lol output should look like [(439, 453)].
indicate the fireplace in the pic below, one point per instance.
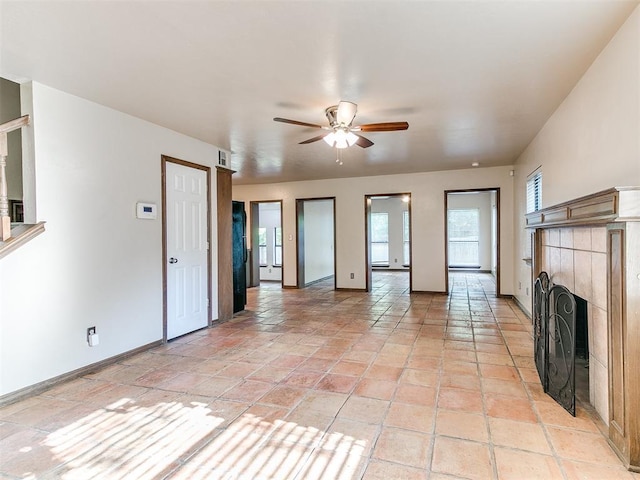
[(582, 349), (582, 328), (576, 258), (591, 246)]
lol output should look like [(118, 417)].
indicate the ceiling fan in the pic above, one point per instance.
[(342, 133)]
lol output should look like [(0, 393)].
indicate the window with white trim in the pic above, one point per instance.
[(277, 247), (534, 191), (405, 238), (464, 237), (262, 245), (380, 238)]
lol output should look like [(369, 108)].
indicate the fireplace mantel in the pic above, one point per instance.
[(618, 204), (615, 215)]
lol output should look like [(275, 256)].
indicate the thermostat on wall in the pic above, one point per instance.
[(146, 211)]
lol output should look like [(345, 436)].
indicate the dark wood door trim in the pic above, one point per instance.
[(225, 244), (367, 236), (299, 243), (446, 233), (254, 236), (367, 250), (300, 252), (254, 209)]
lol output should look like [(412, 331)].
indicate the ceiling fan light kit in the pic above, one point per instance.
[(340, 138), (341, 131)]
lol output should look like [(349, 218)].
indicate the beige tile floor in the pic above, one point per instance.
[(315, 383)]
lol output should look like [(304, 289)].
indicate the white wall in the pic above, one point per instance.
[(96, 264), (269, 215), (427, 210), (394, 207), (590, 143), (318, 240), (481, 201)]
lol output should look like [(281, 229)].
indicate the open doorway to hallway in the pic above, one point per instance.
[(316, 239), (266, 258), (472, 232), (388, 238)]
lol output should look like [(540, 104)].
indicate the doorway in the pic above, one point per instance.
[(266, 257), (316, 235), (472, 232), (186, 236), (388, 235)]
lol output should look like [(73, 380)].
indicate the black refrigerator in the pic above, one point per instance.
[(239, 237)]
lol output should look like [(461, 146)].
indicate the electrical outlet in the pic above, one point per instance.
[(519, 285), (352, 276), (92, 337), (527, 290), (395, 260)]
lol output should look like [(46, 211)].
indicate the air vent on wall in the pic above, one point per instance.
[(223, 159)]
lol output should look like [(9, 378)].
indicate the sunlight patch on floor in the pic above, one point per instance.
[(289, 450), (125, 440)]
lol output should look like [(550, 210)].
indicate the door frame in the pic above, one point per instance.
[(254, 225), (163, 165), (367, 236), (446, 233), (300, 239)]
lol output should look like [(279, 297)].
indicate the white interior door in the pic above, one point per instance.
[(186, 230)]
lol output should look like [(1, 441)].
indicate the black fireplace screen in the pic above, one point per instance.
[(540, 314), (554, 325)]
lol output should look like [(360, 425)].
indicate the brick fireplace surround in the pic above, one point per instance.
[(591, 245)]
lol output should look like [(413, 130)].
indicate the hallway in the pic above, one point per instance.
[(317, 383)]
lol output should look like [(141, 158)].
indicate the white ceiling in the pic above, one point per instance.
[(476, 80)]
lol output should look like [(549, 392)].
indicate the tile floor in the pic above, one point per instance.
[(315, 383)]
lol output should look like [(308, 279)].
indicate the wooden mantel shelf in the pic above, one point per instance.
[(20, 235), (619, 204)]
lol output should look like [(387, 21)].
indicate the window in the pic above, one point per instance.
[(405, 238), (277, 247), (534, 191), (464, 235), (11, 110), (262, 245), (380, 238)]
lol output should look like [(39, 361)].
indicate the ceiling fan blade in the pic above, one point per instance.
[(382, 127), (346, 112), (296, 122), (363, 142), (314, 139)]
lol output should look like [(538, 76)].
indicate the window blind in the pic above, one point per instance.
[(534, 192)]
